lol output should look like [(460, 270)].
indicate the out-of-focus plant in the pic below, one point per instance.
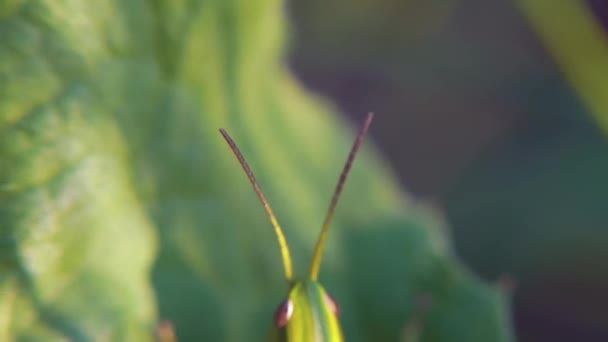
[(110, 156), (542, 191), (579, 45)]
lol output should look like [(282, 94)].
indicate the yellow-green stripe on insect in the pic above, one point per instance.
[(308, 314)]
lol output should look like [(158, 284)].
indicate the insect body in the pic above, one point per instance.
[(309, 313)]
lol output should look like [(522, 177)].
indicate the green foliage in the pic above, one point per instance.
[(109, 113), (581, 51)]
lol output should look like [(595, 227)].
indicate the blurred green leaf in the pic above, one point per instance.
[(76, 244), (109, 117), (580, 48)]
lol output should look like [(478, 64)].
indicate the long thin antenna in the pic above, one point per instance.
[(315, 265), (273, 219)]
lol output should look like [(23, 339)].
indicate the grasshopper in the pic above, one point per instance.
[(309, 313)]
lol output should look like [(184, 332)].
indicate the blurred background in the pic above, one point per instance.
[(494, 111)]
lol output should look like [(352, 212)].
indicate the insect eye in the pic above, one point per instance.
[(283, 313), (333, 305)]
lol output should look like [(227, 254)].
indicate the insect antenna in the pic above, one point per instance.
[(287, 265), (318, 253)]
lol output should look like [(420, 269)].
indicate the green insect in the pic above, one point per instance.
[(308, 313)]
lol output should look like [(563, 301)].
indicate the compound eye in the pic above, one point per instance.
[(283, 313), (333, 305)]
